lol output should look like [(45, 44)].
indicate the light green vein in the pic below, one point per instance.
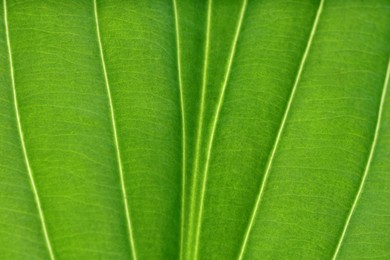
[(215, 122), (280, 131), (113, 123), (199, 128), (183, 132), (368, 165), (21, 136)]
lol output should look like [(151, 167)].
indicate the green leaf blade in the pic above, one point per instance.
[(186, 129)]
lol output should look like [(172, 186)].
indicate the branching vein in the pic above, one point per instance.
[(215, 122), (199, 128)]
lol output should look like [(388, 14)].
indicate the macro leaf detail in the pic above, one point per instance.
[(179, 129)]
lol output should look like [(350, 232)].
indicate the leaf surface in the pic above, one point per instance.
[(194, 129)]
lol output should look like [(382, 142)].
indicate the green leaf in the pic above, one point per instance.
[(180, 129)]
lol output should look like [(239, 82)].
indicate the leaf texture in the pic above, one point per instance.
[(179, 129)]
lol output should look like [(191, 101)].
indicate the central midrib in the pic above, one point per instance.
[(215, 122), (198, 189), (193, 194)]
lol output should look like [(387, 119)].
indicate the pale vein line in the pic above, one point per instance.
[(183, 144), (367, 168), (215, 122), (118, 154), (29, 170), (281, 128), (200, 125)]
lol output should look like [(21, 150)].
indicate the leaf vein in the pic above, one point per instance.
[(199, 128), (183, 137), (280, 131), (368, 165), (113, 123), (215, 122), (21, 136)]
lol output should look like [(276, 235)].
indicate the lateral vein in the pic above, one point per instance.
[(21, 136), (280, 131), (215, 122), (368, 165), (183, 137), (113, 123), (199, 128)]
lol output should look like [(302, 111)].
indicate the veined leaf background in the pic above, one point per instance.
[(182, 129)]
